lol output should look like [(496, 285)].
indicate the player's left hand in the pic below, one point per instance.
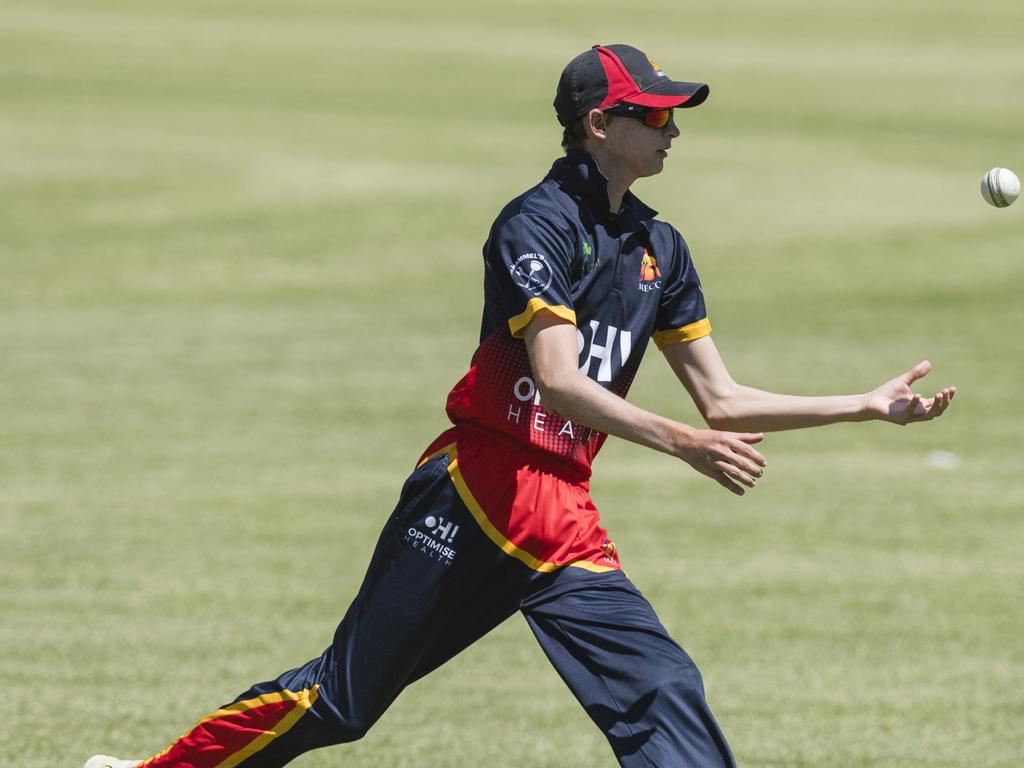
[(895, 401)]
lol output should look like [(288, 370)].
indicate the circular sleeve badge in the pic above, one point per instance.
[(531, 272)]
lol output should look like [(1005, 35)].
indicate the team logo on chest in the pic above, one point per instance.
[(650, 275)]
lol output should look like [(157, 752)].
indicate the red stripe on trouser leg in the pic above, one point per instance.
[(230, 735)]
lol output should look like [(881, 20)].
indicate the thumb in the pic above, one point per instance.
[(919, 371)]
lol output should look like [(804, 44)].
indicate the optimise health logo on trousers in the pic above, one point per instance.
[(436, 541)]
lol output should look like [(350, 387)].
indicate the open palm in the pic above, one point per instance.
[(896, 401)]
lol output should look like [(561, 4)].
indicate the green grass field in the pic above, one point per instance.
[(239, 271)]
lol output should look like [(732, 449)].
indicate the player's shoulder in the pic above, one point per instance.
[(541, 210), (543, 202), (662, 228)]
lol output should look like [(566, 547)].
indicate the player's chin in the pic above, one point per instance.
[(656, 165)]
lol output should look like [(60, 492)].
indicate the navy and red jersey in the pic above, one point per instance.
[(620, 277)]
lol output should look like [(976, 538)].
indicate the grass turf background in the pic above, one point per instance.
[(239, 271)]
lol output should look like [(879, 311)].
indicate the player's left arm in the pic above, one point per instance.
[(727, 405)]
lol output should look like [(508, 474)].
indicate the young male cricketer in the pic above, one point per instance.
[(497, 517)]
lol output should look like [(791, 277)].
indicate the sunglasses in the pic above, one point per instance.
[(652, 117)]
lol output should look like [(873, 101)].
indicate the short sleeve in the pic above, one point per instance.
[(527, 259), (682, 315)]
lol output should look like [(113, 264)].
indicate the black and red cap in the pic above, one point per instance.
[(614, 74)]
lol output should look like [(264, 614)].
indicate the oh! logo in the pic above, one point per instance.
[(444, 531)]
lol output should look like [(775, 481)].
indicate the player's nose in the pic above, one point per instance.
[(671, 129)]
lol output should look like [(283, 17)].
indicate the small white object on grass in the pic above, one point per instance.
[(942, 460), (1000, 187)]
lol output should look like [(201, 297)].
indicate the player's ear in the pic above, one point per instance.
[(595, 125)]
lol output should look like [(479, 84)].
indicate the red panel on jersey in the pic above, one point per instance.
[(499, 393)]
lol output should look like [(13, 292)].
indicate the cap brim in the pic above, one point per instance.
[(671, 93)]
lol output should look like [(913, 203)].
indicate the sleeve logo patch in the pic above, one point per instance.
[(532, 272)]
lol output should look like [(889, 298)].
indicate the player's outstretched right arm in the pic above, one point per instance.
[(729, 458)]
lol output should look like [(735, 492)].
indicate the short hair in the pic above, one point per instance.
[(574, 134)]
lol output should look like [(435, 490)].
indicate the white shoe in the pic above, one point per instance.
[(103, 761)]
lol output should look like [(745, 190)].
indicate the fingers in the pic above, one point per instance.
[(734, 464), (908, 413), (727, 484), (933, 407), (747, 465), (742, 448), (737, 474), (919, 408), (940, 403)]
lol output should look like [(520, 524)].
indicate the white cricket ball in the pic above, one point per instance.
[(1000, 187)]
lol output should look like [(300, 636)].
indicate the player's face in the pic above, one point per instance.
[(638, 149)]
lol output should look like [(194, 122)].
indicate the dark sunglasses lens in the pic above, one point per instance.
[(657, 118)]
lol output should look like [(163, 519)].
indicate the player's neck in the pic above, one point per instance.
[(619, 181)]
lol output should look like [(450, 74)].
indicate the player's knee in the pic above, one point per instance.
[(355, 724), (683, 682), (692, 679), (357, 728)]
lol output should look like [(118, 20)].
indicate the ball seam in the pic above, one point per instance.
[(993, 189)]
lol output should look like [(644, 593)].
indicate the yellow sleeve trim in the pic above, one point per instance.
[(686, 333), (517, 324)]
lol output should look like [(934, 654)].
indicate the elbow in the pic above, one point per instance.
[(718, 415), (721, 406), (716, 420), (554, 398), (556, 391), (726, 425)]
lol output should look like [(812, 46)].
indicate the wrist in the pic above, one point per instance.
[(680, 438), (864, 410)]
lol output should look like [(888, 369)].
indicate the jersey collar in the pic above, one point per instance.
[(579, 175)]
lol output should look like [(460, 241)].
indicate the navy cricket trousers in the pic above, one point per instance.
[(436, 584)]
